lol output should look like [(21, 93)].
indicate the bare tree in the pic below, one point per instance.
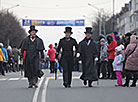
[(11, 31), (106, 25)]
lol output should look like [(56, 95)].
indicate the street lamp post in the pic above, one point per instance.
[(12, 7), (99, 12)]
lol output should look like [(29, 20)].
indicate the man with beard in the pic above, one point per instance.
[(88, 55), (31, 48), (67, 43)]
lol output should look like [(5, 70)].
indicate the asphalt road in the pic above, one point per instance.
[(13, 88)]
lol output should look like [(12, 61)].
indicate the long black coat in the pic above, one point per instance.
[(67, 50), (88, 53), (32, 58)]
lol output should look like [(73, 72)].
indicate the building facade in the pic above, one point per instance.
[(127, 19)]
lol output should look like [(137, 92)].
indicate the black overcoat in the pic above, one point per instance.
[(34, 49), (67, 50), (87, 54)]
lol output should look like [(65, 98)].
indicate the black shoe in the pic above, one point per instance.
[(65, 85), (85, 82), (90, 86), (68, 86), (30, 86), (125, 85), (133, 85)]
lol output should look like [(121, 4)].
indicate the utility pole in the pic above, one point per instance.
[(100, 23), (100, 16), (113, 15)]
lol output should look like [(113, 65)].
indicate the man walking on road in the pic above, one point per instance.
[(88, 55), (31, 48), (67, 44)]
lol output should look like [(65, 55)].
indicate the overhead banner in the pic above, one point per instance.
[(29, 22)]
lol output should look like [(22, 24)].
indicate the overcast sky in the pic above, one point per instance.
[(59, 9)]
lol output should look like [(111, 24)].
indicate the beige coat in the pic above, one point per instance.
[(132, 60)]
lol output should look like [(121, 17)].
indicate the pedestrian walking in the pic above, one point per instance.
[(4, 51), (52, 54), (131, 66), (32, 48), (66, 44), (88, 56), (10, 59), (118, 64), (2, 58), (15, 52)]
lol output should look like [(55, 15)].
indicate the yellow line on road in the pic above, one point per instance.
[(3, 79)]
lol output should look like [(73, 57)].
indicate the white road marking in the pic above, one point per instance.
[(35, 97), (23, 78), (44, 92), (13, 78)]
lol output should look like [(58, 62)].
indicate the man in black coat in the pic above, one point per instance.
[(89, 56), (31, 48), (66, 61)]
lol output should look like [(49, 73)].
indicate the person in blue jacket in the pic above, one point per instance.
[(4, 51)]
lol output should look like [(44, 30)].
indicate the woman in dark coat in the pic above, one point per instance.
[(131, 65), (88, 55), (31, 47)]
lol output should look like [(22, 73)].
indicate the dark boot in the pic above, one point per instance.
[(90, 83), (85, 82), (65, 85), (134, 81), (30, 86), (127, 80), (133, 85)]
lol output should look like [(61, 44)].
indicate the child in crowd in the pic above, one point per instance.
[(118, 64), (103, 58)]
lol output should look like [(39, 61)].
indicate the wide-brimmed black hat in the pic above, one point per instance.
[(68, 30), (32, 28), (88, 30)]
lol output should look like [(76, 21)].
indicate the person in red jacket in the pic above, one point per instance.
[(111, 54), (51, 54)]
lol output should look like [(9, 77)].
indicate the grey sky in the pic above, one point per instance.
[(59, 9)]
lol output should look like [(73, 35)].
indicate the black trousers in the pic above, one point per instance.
[(103, 68), (98, 65), (67, 65), (52, 66), (129, 75), (111, 73), (32, 80)]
